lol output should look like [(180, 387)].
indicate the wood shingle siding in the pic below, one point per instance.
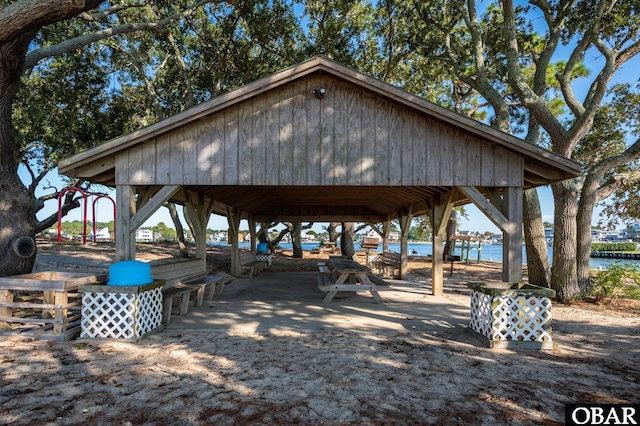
[(348, 138)]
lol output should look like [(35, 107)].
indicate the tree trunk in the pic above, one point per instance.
[(296, 239), (331, 230), (386, 229), (17, 209), (347, 247), (184, 250), (263, 234), (538, 269), (588, 197), (451, 231), (564, 278)]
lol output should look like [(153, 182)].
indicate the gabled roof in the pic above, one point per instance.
[(387, 177), (541, 166)]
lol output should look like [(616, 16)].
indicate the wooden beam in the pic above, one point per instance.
[(198, 210), (405, 225), (317, 218), (439, 219), (96, 168), (199, 204), (495, 198), (193, 211), (145, 194), (154, 203), (485, 206), (233, 218), (252, 233)]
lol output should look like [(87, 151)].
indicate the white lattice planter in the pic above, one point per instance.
[(121, 312), (512, 315), (264, 257)]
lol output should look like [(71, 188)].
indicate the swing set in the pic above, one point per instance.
[(97, 196)]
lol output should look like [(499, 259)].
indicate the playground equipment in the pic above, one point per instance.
[(97, 198), (85, 194)]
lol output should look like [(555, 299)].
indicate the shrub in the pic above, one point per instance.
[(618, 280), (613, 246)]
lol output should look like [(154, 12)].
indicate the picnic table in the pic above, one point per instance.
[(349, 275)]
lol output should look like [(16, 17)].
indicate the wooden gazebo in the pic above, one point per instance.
[(320, 142)]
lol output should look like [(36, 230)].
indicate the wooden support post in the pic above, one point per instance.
[(233, 218), (125, 234), (61, 298), (5, 312), (199, 213), (437, 273), (512, 236), (405, 225), (48, 299), (252, 233), (439, 220)]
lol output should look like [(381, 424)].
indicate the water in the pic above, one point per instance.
[(488, 253)]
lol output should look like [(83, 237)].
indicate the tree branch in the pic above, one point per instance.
[(78, 42), (564, 78), (23, 17), (101, 15), (555, 26), (628, 53), (35, 180), (531, 100), (68, 203), (612, 184)]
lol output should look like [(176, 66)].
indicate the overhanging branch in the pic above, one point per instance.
[(78, 42)]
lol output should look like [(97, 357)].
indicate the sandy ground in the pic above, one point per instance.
[(436, 372)]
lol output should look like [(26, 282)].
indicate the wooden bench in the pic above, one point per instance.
[(331, 281), (379, 282), (323, 280), (249, 266), (387, 263), (180, 292), (324, 269), (326, 285), (211, 285)]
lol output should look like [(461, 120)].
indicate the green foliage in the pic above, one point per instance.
[(619, 280), (61, 109), (76, 227), (166, 234), (620, 116), (613, 246)]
